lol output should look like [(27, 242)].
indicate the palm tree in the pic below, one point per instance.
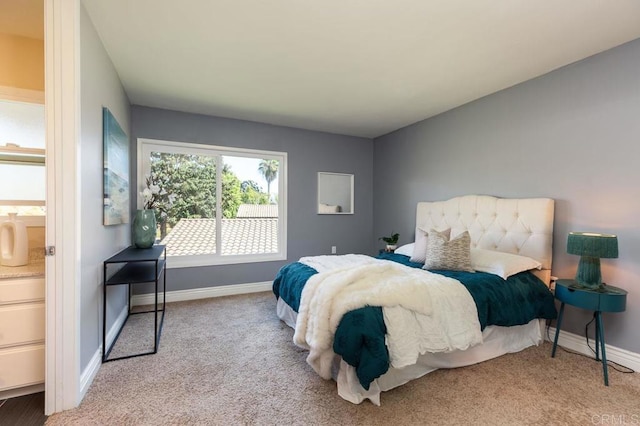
[(269, 169)]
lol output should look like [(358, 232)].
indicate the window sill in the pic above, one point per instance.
[(204, 260)]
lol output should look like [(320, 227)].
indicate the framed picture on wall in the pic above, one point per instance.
[(116, 171)]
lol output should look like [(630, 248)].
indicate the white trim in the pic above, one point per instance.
[(218, 215), (21, 95), (89, 373), (113, 330), (25, 390), (146, 146), (178, 147), (578, 344), (282, 204), (62, 106), (208, 260), (203, 293)]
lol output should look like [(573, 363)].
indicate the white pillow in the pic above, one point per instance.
[(406, 249), (501, 264), (328, 208)]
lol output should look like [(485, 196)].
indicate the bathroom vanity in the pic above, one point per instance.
[(22, 326)]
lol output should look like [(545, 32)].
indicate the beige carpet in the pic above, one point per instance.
[(229, 361)]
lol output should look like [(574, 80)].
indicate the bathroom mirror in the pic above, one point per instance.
[(335, 193)]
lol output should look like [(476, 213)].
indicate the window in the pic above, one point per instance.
[(219, 205)]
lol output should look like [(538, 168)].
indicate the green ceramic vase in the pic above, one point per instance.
[(144, 228)]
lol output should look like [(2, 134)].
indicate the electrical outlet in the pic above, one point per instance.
[(334, 249)]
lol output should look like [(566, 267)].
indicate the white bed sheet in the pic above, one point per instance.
[(497, 341)]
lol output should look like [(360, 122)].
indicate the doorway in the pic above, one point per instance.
[(22, 247), (22, 198)]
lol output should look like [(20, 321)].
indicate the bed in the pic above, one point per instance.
[(473, 286)]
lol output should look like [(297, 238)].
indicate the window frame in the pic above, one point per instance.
[(145, 146)]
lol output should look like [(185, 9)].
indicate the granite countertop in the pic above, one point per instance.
[(34, 268)]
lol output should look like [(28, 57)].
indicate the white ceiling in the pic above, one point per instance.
[(356, 67)]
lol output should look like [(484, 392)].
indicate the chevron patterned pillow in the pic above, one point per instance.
[(445, 254)]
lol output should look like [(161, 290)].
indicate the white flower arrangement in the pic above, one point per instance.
[(156, 197)]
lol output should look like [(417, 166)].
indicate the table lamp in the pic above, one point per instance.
[(591, 247)]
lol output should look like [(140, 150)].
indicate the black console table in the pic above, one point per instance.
[(137, 266)]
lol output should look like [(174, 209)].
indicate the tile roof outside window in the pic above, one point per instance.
[(258, 210), (239, 236)]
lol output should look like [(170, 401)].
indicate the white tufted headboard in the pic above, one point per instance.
[(521, 226)]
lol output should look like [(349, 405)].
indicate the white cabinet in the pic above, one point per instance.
[(22, 330)]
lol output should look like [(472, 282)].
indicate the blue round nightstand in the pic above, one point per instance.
[(608, 299)]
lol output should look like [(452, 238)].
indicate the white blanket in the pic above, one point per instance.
[(331, 263), (423, 312)]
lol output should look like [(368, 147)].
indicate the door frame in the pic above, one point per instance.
[(62, 111)]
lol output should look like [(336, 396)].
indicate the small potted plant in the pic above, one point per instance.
[(392, 241)]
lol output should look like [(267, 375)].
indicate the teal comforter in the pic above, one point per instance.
[(360, 337)]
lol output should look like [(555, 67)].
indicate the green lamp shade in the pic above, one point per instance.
[(591, 248), (593, 245)]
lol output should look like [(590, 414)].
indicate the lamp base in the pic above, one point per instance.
[(588, 274)]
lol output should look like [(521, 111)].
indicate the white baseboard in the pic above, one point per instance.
[(202, 293), (113, 330), (89, 373), (26, 390), (578, 344)]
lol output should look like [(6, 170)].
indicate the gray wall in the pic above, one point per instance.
[(572, 135), (308, 153), (100, 86)]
